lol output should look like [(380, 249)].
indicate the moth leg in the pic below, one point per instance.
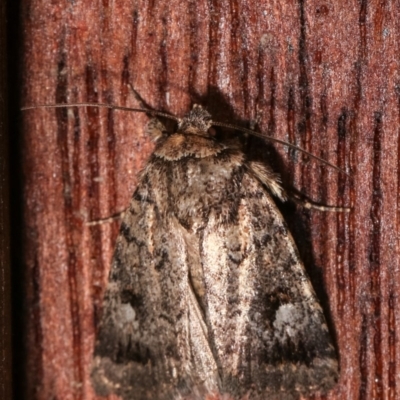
[(107, 220), (155, 129), (308, 205), (254, 123), (139, 98), (273, 182), (269, 178)]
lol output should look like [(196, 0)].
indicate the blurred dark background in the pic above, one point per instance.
[(11, 200)]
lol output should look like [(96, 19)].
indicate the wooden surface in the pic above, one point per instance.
[(323, 76), (5, 267)]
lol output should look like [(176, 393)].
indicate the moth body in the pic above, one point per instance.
[(207, 292)]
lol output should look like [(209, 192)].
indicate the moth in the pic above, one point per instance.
[(207, 292)]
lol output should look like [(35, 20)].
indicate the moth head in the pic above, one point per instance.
[(197, 122)]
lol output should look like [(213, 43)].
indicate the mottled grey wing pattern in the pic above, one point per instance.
[(207, 291), (151, 342), (268, 330)]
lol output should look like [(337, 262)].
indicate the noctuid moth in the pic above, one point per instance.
[(207, 292)]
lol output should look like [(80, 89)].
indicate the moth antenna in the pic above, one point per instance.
[(100, 105), (172, 117), (271, 139)]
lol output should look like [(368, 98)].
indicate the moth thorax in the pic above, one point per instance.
[(196, 122)]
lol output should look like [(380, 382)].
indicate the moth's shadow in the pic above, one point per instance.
[(297, 218)]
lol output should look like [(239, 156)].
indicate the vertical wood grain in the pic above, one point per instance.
[(5, 265), (324, 76)]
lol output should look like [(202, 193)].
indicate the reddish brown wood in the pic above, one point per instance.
[(5, 264), (322, 75)]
